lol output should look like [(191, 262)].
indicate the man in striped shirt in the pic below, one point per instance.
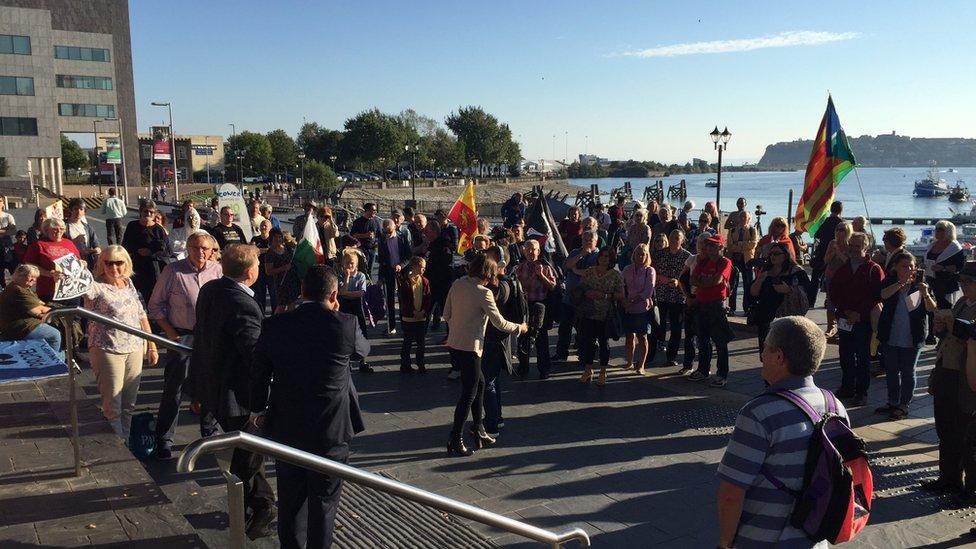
[(772, 435)]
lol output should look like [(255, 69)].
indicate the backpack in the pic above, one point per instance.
[(834, 503)]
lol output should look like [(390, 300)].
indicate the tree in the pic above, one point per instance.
[(481, 137), (258, 155), (371, 135), (444, 152), (284, 151), (319, 176), (320, 143), (72, 156)]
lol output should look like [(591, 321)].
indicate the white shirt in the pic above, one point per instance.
[(81, 234)]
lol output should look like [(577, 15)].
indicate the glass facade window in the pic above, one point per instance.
[(19, 45), (10, 125), (76, 53), (16, 85), (84, 109), (84, 82)]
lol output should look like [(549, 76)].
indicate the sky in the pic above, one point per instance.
[(645, 80)]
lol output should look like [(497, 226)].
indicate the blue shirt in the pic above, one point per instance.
[(573, 279), (774, 433), (901, 327)]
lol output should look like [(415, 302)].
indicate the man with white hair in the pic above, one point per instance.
[(394, 254), (770, 438), (684, 219)]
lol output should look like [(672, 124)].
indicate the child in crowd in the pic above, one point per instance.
[(414, 309), (20, 249)]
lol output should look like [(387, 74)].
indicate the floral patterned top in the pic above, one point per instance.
[(670, 265), (122, 304), (609, 282)]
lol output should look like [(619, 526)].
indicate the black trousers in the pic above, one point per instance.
[(390, 288), (567, 320), (593, 333), (249, 467), (538, 337), (414, 334), (671, 314), (854, 348), (691, 333), (740, 272), (174, 385), (956, 439), (113, 226), (472, 390), (816, 275), (298, 486)]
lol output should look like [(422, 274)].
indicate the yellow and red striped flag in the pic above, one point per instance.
[(830, 161), (464, 214)]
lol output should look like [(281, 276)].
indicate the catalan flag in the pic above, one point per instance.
[(464, 214), (830, 161)]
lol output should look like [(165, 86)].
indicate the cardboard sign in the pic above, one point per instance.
[(77, 278)]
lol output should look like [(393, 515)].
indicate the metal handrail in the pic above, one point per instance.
[(67, 316), (263, 446)]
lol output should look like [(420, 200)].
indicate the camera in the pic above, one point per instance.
[(760, 210)]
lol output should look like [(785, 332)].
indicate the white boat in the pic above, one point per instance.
[(922, 243), (931, 186), (711, 182)]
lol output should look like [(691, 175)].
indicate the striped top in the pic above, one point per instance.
[(772, 432)]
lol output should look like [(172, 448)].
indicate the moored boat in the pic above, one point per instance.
[(959, 193), (711, 182), (931, 186)]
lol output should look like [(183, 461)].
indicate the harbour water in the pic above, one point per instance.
[(887, 191)]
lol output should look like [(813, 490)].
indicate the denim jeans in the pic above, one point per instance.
[(50, 334), (854, 347), (492, 364), (899, 365)]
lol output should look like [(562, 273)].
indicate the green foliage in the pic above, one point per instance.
[(480, 136), (284, 151), (319, 176), (882, 151), (443, 151), (320, 143), (258, 155), (577, 170), (371, 135), (72, 155)]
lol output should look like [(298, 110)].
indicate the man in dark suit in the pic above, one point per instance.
[(227, 328), (312, 404), (394, 254)]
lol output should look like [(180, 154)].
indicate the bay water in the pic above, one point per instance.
[(887, 192)]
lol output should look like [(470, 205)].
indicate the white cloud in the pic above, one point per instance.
[(781, 40)]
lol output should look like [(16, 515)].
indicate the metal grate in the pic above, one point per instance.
[(368, 519), (710, 420)]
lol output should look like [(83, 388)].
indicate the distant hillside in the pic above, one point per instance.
[(883, 151)]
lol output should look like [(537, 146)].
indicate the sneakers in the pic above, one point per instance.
[(685, 370), (698, 376), (453, 374), (673, 364), (718, 382)]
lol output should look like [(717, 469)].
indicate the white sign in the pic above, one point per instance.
[(28, 360), (77, 278), (230, 195)]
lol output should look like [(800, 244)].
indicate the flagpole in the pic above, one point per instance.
[(867, 214)]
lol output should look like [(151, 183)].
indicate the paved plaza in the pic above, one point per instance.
[(633, 463)]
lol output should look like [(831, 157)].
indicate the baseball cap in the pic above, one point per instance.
[(716, 239)]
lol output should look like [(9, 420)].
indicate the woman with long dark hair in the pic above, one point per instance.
[(781, 278), (469, 307)]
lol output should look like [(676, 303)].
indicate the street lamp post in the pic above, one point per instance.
[(172, 140), (301, 156), (413, 170), (721, 141), (333, 159), (240, 174)]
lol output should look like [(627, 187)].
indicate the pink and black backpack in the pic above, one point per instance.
[(834, 503)]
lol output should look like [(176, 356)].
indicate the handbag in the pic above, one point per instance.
[(614, 325), (794, 303)]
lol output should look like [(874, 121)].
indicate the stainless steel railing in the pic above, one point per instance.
[(67, 316), (265, 447), (224, 444)]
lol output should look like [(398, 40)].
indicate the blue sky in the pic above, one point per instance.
[(566, 67)]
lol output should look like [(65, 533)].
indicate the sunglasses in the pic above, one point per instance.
[(115, 263)]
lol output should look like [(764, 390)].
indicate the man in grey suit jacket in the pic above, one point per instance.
[(227, 328)]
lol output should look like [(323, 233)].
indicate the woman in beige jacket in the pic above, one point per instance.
[(469, 307)]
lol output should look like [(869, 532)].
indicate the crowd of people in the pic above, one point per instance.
[(650, 276)]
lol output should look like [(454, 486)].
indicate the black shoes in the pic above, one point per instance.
[(481, 438), (365, 368), (938, 486), (163, 453), (259, 524), (406, 369), (456, 447)]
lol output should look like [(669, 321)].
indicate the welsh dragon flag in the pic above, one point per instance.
[(309, 250), (464, 215)]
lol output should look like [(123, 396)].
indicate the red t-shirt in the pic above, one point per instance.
[(719, 292), (42, 254)]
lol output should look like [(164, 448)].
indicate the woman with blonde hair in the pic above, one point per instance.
[(835, 257), (639, 280), (116, 357), (352, 288), (943, 261)]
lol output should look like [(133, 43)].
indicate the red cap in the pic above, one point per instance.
[(716, 239)]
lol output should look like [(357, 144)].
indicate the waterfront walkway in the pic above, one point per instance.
[(633, 463)]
